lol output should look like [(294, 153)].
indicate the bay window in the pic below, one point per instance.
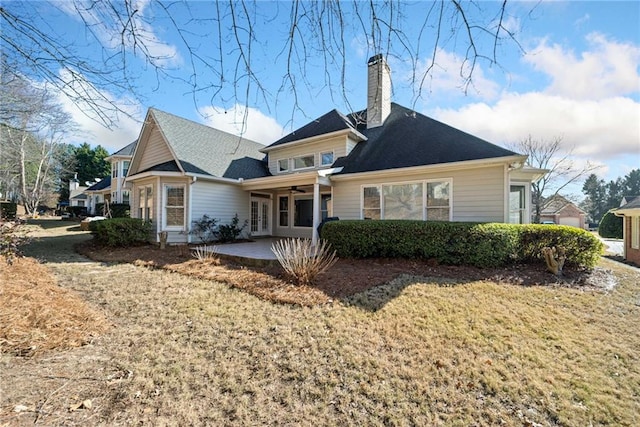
[(426, 200)]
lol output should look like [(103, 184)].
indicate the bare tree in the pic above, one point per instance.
[(223, 41), (553, 156), (32, 127)]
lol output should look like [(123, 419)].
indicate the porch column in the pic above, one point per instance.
[(316, 212)]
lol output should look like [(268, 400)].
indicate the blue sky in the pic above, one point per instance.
[(575, 75)]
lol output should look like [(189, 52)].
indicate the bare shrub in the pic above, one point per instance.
[(205, 253), (303, 261)]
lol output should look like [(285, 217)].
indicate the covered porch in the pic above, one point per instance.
[(291, 205)]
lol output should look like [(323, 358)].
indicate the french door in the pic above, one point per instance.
[(260, 217)]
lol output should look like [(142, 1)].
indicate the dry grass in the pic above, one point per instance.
[(37, 315), (417, 351)]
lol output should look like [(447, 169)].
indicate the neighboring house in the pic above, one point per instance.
[(385, 162), (76, 193), (630, 212), (563, 212), (112, 188)]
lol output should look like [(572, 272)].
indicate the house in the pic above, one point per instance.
[(112, 188), (561, 211), (385, 161), (630, 212), (76, 193)]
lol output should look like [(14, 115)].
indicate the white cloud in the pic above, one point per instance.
[(126, 124), (447, 76), (608, 69), (597, 129), (250, 123), (105, 23)]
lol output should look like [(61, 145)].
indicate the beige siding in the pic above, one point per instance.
[(338, 145), (478, 194), (156, 151), (290, 231), (220, 201)]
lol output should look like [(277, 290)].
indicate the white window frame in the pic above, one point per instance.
[(165, 196), (114, 170), (635, 232), (125, 171), (322, 163), (312, 155), (292, 218), (424, 195), (280, 170), (282, 196)]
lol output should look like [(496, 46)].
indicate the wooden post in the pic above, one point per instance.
[(163, 239)]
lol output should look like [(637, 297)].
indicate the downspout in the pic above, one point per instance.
[(190, 207), (506, 194)]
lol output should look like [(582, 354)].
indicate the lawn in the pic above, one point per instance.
[(416, 351)]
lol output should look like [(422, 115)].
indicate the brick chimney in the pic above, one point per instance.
[(378, 91)]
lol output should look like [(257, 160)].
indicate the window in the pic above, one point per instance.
[(517, 204), (304, 162), (429, 201), (283, 211), (326, 159), (371, 203), (303, 212), (125, 167), (283, 165), (145, 203), (114, 169), (174, 205), (635, 232), (438, 201), (326, 208), (402, 201), (125, 197)]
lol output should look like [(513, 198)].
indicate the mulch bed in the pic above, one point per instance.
[(347, 277)]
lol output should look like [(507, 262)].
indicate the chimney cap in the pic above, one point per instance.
[(374, 59)]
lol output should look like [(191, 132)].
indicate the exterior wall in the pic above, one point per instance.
[(569, 214), (156, 151), (631, 254), (338, 145), (289, 231), (478, 194), (220, 201)]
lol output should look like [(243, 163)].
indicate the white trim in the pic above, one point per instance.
[(316, 138), (165, 188), (293, 162), (635, 232), (447, 167), (278, 197), (288, 160), (332, 158)]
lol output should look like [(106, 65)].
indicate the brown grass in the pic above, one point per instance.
[(417, 351), (37, 315)]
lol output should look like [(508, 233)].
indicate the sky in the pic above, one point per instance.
[(573, 74)]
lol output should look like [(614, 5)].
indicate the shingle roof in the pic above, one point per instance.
[(408, 139), (204, 150), (331, 122), (100, 185), (633, 204), (555, 204), (127, 150)]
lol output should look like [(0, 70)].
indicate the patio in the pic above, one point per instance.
[(257, 252)]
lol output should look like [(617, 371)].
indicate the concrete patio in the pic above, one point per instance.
[(257, 252)]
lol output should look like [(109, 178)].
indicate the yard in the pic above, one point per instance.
[(183, 350)]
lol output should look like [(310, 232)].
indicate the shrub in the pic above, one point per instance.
[(205, 229), (120, 210), (8, 210), (611, 226), (122, 232), (12, 236), (303, 261), (581, 247), (77, 211), (230, 232), (459, 243)]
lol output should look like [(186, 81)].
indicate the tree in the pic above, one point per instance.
[(550, 155), (223, 40), (32, 127), (88, 163), (603, 196)]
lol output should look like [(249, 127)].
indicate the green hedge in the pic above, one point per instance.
[(8, 210), (121, 231), (611, 226), (459, 243), (120, 210)]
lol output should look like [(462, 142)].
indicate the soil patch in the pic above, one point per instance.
[(347, 277)]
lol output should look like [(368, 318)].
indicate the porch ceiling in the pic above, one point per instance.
[(281, 182)]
